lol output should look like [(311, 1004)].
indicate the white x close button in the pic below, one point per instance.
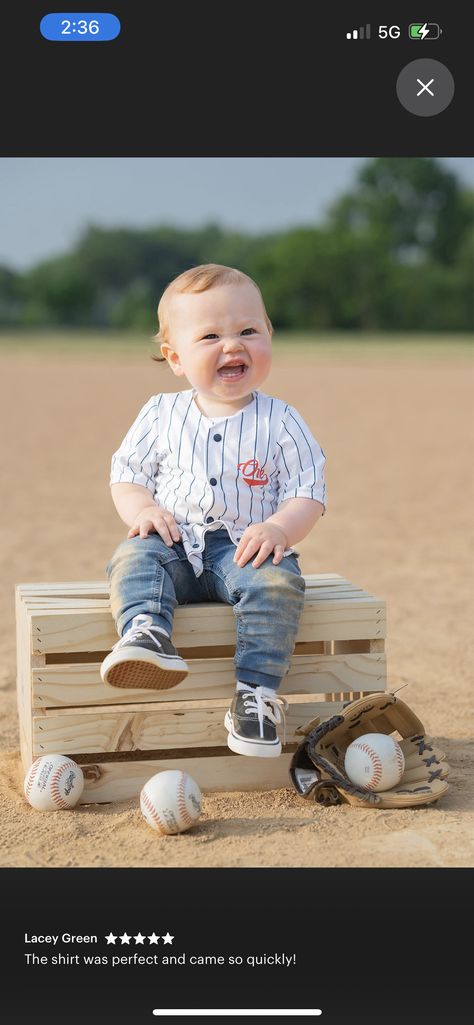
[(425, 87)]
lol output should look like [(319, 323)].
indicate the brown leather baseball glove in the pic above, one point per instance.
[(317, 767)]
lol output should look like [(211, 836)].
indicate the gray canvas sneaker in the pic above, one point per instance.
[(143, 657), (252, 719)]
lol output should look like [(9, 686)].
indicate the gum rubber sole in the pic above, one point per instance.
[(144, 675)]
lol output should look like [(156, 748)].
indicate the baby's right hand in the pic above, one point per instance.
[(154, 519)]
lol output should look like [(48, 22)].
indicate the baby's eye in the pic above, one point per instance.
[(248, 331), (210, 335)]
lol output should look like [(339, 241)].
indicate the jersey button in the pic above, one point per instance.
[(213, 480), (210, 519), (218, 437)]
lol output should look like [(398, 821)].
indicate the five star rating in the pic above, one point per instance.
[(125, 938)]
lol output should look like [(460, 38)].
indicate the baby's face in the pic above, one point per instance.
[(220, 341)]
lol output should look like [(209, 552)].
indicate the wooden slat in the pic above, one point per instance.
[(318, 591), (70, 588), (120, 781), (330, 582), (100, 589), (185, 725), (319, 594), (206, 624), (96, 587), (85, 604), (80, 684), (23, 688)]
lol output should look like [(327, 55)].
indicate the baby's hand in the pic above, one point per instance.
[(155, 520), (263, 538)]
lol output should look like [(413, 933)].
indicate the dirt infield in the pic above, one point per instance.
[(398, 433)]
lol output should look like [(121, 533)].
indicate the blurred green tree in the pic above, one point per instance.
[(11, 300), (413, 205), (394, 253), (58, 292)]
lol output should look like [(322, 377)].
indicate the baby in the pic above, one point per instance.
[(216, 483)]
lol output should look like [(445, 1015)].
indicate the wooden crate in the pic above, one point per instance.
[(122, 737)]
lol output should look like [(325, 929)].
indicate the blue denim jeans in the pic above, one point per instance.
[(147, 576)]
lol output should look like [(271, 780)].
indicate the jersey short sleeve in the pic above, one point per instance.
[(135, 461), (301, 460)]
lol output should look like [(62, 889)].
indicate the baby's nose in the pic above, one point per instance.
[(232, 342)]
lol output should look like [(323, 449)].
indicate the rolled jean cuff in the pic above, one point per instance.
[(258, 679), (125, 624)]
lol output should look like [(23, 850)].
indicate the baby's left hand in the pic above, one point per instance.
[(262, 538)]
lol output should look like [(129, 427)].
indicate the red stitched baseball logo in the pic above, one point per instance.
[(252, 473)]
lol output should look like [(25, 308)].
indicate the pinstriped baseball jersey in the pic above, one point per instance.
[(220, 472)]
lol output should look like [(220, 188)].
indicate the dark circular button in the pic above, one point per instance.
[(196, 546), (425, 87), (210, 519), (213, 480), (218, 437)]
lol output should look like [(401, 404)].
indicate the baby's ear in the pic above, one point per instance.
[(172, 358)]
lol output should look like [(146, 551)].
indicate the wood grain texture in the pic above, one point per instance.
[(192, 724), (55, 686), (120, 781), (71, 629)]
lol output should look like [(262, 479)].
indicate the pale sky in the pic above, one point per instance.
[(46, 202)]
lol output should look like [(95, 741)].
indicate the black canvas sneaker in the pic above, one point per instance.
[(143, 657), (252, 720)]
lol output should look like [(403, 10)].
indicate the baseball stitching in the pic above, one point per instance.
[(400, 760), (183, 811), (376, 763), (57, 797), (31, 777), (150, 807)]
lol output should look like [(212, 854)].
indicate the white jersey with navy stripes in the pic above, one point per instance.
[(220, 472)]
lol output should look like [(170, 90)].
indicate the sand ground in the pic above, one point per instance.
[(398, 433)]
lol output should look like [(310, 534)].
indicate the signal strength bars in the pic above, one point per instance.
[(359, 33)]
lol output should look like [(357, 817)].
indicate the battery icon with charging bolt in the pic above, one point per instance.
[(424, 30)]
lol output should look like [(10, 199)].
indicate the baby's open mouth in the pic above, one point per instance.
[(232, 372)]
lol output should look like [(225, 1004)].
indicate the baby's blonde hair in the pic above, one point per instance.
[(200, 279)]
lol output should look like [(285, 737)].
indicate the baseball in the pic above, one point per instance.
[(170, 801), (53, 782), (375, 761)]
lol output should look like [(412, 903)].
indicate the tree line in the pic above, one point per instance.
[(393, 254)]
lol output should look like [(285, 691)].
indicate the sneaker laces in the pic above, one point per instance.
[(257, 699), (142, 625)]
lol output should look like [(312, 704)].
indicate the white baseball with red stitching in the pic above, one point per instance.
[(53, 782), (375, 761), (171, 801)]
